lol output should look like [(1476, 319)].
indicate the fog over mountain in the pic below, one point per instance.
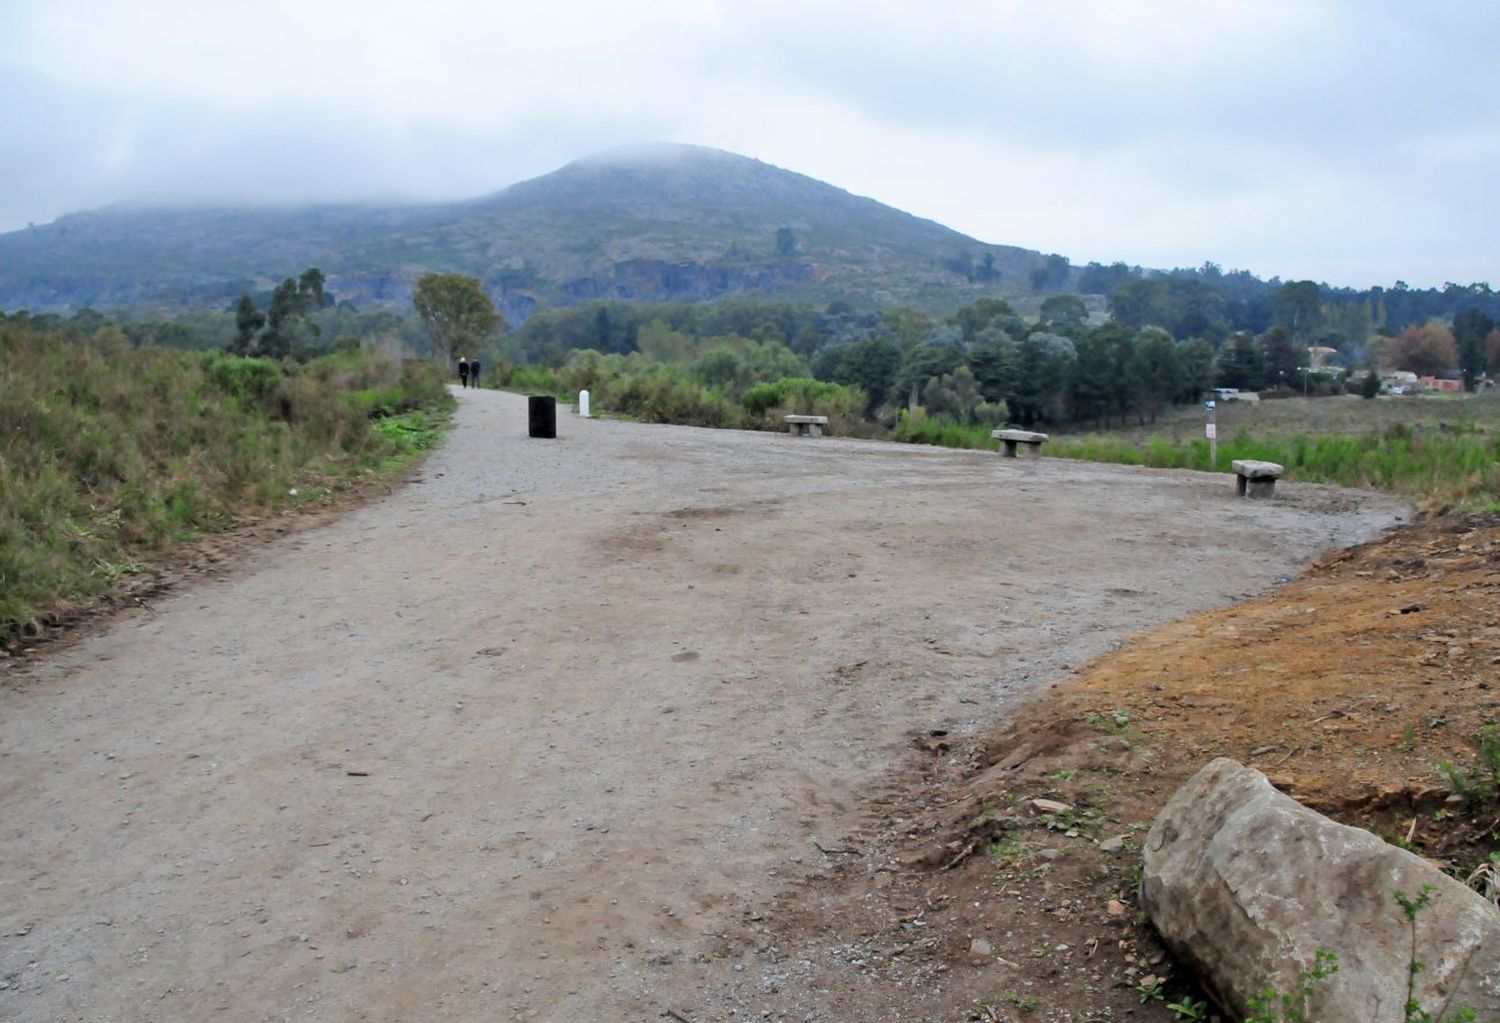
[(1353, 143), (651, 222)]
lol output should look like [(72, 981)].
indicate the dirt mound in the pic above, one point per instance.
[(1001, 885)]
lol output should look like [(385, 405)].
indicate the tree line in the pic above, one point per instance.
[(1209, 302), (985, 362)]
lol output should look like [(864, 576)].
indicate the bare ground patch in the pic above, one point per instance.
[(998, 883), (523, 741)]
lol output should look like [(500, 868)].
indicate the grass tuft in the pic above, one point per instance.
[(110, 454), (1443, 465)]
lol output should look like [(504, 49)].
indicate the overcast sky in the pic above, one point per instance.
[(1354, 142)]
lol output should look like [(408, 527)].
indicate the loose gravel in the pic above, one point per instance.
[(521, 740)]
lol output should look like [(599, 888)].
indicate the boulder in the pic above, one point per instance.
[(1245, 885)]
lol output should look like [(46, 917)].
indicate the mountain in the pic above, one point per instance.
[(659, 223)]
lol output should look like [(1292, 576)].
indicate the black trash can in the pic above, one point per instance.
[(542, 413)]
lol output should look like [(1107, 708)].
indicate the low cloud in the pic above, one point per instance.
[(1348, 142)]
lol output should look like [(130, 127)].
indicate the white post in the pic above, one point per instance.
[(1212, 430), (583, 404)]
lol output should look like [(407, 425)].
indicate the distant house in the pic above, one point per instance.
[(1447, 381), (1400, 382)]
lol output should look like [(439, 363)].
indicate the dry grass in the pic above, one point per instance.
[(112, 455), (1344, 416)]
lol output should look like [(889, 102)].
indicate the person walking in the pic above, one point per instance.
[(474, 372), (463, 371)]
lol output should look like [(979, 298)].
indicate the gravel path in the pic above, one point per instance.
[(520, 740)]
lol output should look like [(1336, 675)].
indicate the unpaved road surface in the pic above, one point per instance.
[(525, 739)]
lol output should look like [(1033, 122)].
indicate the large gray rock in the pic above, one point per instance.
[(1246, 884)]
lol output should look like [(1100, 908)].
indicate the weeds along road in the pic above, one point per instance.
[(524, 738)]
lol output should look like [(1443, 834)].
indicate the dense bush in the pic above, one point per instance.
[(663, 394), (637, 385), (111, 452), (915, 426), (767, 403)]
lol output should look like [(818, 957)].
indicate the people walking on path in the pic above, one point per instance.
[(463, 371), (474, 372)]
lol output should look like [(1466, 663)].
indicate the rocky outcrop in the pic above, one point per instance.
[(1247, 885)]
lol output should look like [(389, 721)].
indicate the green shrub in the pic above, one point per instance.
[(666, 395), (767, 403), (113, 453), (916, 427), (1481, 788), (254, 381), (806, 391), (535, 380), (662, 392)]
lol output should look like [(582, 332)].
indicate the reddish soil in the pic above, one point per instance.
[(963, 900)]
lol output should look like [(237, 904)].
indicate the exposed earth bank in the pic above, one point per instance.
[(1000, 882), (542, 735)]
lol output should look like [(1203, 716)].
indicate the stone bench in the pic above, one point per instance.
[(1255, 479), (806, 426), (1010, 438)]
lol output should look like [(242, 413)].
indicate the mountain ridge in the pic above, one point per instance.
[(656, 222)]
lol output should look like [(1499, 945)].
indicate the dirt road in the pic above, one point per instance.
[(525, 738)]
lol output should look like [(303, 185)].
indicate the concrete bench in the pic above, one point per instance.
[(1255, 479), (1010, 438), (806, 426)]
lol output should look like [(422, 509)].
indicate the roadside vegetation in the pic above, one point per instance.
[(1442, 452), (123, 438), (755, 397), (1108, 392), (127, 434), (1440, 468), (112, 454)]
